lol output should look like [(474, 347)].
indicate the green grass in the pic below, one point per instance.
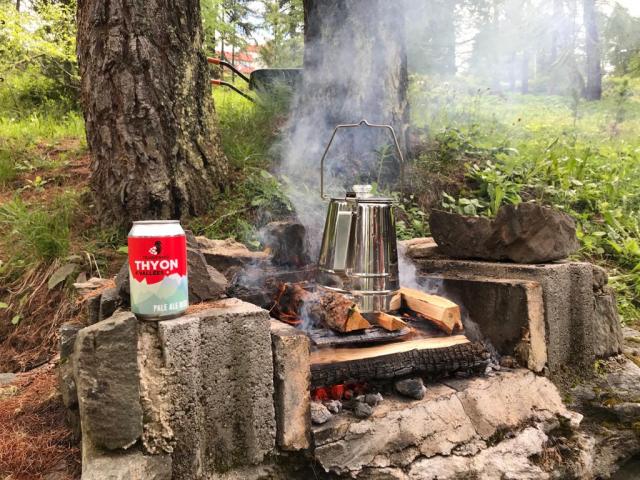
[(580, 157), (26, 143), (36, 232)]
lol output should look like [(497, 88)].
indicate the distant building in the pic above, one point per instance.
[(246, 60)]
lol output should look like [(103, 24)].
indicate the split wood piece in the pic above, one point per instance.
[(341, 313), (429, 356), (388, 322), (442, 312)]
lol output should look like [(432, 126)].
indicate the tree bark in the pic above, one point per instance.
[(593, 90), (148, 109), (355, 63)]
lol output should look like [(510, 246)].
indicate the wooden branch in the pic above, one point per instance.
[(432, 356), (442, 312), (388, 322)]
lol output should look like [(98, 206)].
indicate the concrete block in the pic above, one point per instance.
[(220, 383), (567, 292), (107, 379), (510, 313), (237, 377), (292, 382)]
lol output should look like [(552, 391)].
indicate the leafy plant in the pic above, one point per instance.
[(36, 232)]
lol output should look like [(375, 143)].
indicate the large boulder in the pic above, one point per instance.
[(287, 242), (524, 233), (227, 256)]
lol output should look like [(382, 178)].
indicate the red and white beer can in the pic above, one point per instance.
[(158, 269)]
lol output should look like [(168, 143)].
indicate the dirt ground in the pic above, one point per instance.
[(35, 441)]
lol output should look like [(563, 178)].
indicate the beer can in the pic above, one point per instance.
[(158, 269)]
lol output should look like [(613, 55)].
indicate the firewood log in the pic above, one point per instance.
[(443, 313), (387, 321)]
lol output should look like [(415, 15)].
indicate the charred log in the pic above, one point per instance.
[(436, 362)]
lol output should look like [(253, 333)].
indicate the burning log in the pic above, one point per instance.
[(442, 312), (431, 356), (332, 309), (389, 322)]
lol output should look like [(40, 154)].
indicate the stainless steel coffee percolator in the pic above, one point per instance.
[(359, 255)]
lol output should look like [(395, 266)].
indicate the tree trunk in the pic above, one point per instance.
[(593, 90), (17, 5), (355, 63), (148, 109)]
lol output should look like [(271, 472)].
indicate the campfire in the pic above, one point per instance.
[(422, 334)]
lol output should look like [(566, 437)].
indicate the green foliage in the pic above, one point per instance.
[(283, 20), (37, 58), (255, 197), (36, 232), (549, 153)]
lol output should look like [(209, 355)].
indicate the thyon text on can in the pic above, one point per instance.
[(158, 269)]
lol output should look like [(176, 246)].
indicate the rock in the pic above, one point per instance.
[(319, 413), (334, 406), (109, 302), (224, 255), (68, 333), (411, 387), (373, 399), (93, 308), (131, 465), (66, 378), (628, 412), (461, 418), (533, 233), (600, 278), (292, 378), (509, 459), (205, 282), (421, 247), (286, 240), (607, 331), (362, 410), (157, 408), (105, 366), (524, 233), (122, 283)]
